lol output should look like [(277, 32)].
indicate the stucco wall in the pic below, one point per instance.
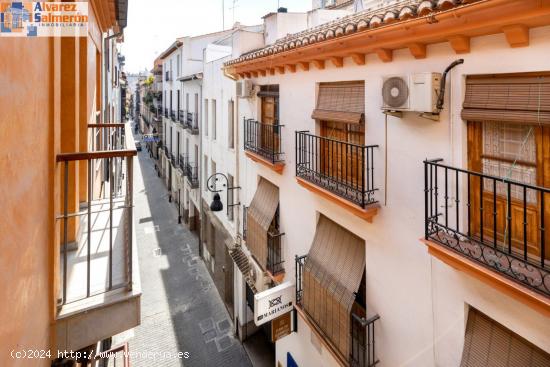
[(421, 301), (26, 196)]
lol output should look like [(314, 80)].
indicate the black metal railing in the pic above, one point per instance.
[(167, 78), (181, 117), (263, 140), (344, 169), (495, 221), (174, 160), (173, 115), (192, 122), (165, 112), (192, 174), (362, 351), (245, 221), (275, 259), (181, 162)]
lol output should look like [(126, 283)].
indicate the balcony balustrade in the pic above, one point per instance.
[(181, 117), (165, 112), (263, 140), (173, 115), (362, 348), (192, 174), (97, 276), (192, 123), (181, 162), (344, 169), (496, 222)]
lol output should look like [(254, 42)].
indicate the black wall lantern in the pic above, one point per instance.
[(217, 205)]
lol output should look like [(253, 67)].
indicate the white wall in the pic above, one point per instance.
[(278, 25), (420, 300)]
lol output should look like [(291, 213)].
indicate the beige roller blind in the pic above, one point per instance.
[(522, 99), (260, 214), (489, 344), (340, 102), (332, 274)]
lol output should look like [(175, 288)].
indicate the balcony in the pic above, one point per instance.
[(174, 161), (167, 76), (192, 174), (165, 112), (340, 172), (492, 228), (362, 341), (173, 115), (192, 123), (181, 162), (181, 117), (262, 143), (98, 270)]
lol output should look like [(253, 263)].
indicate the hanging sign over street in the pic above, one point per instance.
[(273, 302)]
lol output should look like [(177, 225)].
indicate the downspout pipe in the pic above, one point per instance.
[(441, 97)]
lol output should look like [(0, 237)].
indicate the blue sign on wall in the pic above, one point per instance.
[(290, 362)]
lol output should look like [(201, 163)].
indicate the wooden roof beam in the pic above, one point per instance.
[(358, 59), (384, 54), (254, 74), (319, 64), (460, 44), (291, 68), (246, 75), (271, 71), (280, 69), (517, 35), (418, 50), (263, 72), (304, 65), (337, 61)]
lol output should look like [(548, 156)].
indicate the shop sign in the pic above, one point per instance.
[(281, 327), (273, 303)]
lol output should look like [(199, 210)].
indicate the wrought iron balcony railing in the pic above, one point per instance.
[(192, 122), (181, 117), (167, 77), (342, 168), (165, 112), (263, 140), (173, 115), (362, 351), (494, 221), (90, 270), (192, 174), (181, 162), (174, 160), (275, 259)]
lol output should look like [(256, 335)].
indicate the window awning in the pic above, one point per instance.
[(260, 214), (332, 275), (487, 343), (521, 99), (340, 102)]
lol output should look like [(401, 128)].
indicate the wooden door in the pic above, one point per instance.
[(520, 153), (344, 162), (269, 135)]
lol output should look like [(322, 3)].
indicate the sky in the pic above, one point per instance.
[(153, 25)]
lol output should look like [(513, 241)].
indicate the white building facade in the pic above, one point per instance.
[(405, 262)]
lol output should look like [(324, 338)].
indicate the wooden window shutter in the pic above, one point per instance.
[(514, 99), (340, 102), (489, 344)]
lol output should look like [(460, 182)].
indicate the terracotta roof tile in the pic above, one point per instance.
[(361, 21)]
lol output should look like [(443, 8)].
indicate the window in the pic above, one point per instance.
[(213, 171), (171, 102), (231, 125), (178, 95), (230, 198), (178, 70), (206, 117), (214, 127), (509, 151), (187, 102)]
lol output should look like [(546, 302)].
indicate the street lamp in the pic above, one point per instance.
[(217, 205)]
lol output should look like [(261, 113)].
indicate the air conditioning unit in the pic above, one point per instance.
[(244, 88), (416, 92), (260, 278)]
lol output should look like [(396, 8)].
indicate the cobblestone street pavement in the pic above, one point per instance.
[(181, 310)]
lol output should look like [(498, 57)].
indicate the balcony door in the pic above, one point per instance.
[(269, 140), (344, 161), (518, 152)]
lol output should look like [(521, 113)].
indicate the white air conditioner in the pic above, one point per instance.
[(416, 92), (260, 278), (244, 88)]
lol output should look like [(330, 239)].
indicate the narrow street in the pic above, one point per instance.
[(181, 310)]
